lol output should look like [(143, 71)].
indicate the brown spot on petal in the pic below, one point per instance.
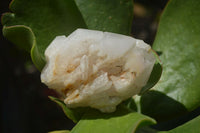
[(55, 65), (134, 74), (54, 72), (71, 68), (67, 88)]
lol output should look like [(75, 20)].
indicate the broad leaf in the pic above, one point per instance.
[(190, 127), (90, 120), (121, 121), (35, 23), (178, 41), (107, 15), (74, 114)]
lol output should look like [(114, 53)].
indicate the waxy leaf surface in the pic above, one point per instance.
[(191, 126), (107, 15), (178, 41), (35, 23), (121, 121)]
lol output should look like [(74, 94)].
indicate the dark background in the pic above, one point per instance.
[(24, 103)]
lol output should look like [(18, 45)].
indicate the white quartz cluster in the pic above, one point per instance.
[(97, 69)]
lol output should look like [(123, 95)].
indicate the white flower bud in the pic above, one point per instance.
[(97, 69)]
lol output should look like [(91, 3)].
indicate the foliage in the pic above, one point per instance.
[(177, 40), (34, 26), (189, 127)]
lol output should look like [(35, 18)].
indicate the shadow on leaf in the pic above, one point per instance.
[(96, 114), (161, 107)]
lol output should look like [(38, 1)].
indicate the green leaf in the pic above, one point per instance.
[(35, 23), (146, 130), (130, 104), (107, 15), (90, 120), (60, 131), (178, 41), (121, 121), (190, 127), (74, 114)]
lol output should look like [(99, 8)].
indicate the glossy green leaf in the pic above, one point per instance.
[(35, 23), (74, 114), (107, 15), (146, 130), (121, 121), (90, 120), (60, 131), (190, 127), (178, 40)]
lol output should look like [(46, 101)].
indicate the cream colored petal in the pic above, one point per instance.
[(97, 69)]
